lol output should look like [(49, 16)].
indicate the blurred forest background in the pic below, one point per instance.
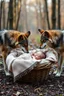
[(24, 15)]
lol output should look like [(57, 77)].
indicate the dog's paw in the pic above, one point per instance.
[(55, 72), (58, 74), (7, 73)]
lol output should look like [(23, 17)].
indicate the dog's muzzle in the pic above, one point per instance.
[(25, 49), (43, 46)]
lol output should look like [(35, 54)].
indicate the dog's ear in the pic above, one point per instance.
[(48, 35), (20, 37), (41, 31), (27, 34)]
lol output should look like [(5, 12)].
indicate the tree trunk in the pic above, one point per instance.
[(14, 14), (37, 19), (18, 13), (41, 21), (53, 14), (10, 15), (25, 16), (7, 26), (44, 17), (59, 18), (0, 13), (47, 16), (3, 5)]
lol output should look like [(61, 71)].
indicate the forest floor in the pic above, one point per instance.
[(53, 86)]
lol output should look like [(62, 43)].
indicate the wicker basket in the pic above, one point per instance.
[(38, 74)]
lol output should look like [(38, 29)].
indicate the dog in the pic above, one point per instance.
[(10, 39), (55, 40)]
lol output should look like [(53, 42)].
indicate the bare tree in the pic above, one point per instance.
[(10, 15), (53, 14), (37, 20), (18, 13), (3, 5), (41, 21), (25, 16), (43, 17), (14, 14), (47, 15), (59, 18), (0, 14)]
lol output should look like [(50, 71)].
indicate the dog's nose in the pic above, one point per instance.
[(16, 43), (43, 46), (27, 51), (40, 47)]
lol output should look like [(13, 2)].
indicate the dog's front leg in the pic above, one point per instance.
[(4, 63), (60, 61)]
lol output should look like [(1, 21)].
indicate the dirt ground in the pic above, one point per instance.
[(53, 86)]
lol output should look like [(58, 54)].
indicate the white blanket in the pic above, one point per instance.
[(20, 63)]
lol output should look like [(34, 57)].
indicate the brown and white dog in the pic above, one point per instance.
[(10, 39), (54, 39)]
